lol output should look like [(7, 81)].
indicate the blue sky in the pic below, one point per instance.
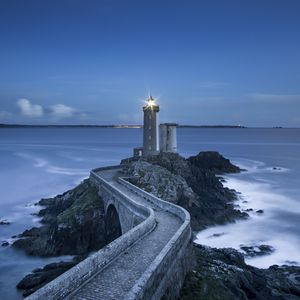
[(94, 61)]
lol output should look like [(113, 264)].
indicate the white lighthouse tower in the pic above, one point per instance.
[(150, 127)]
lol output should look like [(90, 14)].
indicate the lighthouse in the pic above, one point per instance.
[(150, 127)]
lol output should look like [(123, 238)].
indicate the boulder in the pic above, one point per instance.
[(178, 180), (223, 274), (4, 222), (256, 250), (213, 161), (41, 276)]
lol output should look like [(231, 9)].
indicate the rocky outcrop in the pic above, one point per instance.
[(4, 222), (223, 274), (213, 161), (161, 182), (73, 224), (41, 276), (184, 182), (256, 250)]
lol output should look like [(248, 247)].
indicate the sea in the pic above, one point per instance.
[(42, 162)]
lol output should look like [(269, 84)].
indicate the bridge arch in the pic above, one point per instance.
[(112, 223)]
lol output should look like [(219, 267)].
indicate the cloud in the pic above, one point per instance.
[(212, 84), (30, 110), (62, 111), (274, 97)]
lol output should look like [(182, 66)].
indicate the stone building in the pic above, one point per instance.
[(168, 137), (167, 133)]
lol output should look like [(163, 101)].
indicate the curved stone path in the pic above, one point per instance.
[(116, 280)]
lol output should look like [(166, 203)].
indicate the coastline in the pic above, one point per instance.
[(162, 162), (261, 199)]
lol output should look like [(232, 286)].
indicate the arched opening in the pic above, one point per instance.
[(112, 224)]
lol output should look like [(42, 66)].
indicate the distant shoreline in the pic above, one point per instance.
[(135, 126)]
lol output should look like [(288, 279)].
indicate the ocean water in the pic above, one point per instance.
[(42, 162), (271, 183)]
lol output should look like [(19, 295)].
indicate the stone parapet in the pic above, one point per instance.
[(163, 276), (69, 281), (166, 273)]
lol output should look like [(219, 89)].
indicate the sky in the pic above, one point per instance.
[(95, 61)]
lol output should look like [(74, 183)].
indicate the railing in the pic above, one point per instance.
[(154, 277), (72, 279), (130, 204)]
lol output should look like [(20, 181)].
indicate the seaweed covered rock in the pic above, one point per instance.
[(73, 224), (223, 274)]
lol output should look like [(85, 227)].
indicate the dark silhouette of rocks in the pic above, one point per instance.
[(213, 161), (187, 183), (39, 277), (73, 224), (4, 222), (223, 274), (256, 250)]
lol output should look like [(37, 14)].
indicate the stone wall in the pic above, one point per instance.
[(166, 273), (130, 212), (69, 281)]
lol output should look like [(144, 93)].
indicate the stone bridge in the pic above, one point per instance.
[(149, 257)]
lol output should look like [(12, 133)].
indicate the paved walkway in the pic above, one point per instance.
[(115, 281)]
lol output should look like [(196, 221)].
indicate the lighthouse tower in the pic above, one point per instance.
[(150, 127)]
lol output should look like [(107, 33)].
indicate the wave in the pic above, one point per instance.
[(38, 162), (67, 171), (255, 166), (274, 226)]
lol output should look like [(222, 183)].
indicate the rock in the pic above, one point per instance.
[(292, 262), (5, 244), (249, 209), (223, 274), (41, 276), (256, 250), (161, 182), (178, 180), (260, 211), (222, 179), (213, 161), (73, 225), (216, 235), (4, 222)]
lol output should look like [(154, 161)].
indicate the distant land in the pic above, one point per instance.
[(62, 126), (121, 126), (116, 126)]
